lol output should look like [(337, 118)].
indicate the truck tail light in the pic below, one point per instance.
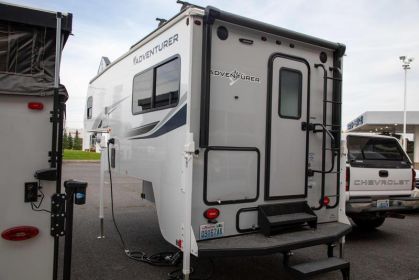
[(413, 179), (326, 200), (348, 177), (20, 233)]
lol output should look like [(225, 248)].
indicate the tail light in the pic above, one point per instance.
[(212, 213), (326, 200), (348, 178), (20, 233), (413, 179), (36, 106)]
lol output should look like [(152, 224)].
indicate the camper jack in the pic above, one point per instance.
[(233, 127)]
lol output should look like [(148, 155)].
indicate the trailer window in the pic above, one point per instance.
[(167, 83), (142, 91), (290, 90), (157, 88), (89, 107)]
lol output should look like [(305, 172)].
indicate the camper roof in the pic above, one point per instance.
[(35, 17)]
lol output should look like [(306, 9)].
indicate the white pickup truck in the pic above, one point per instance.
[(379, 179)]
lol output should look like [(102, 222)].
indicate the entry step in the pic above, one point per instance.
[(273, 218), (305, 270)]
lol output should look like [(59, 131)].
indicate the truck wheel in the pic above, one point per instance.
[(368, 223)]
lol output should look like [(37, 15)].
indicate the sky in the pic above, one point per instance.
[(376, 33)]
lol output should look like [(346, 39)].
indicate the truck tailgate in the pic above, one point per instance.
[(380, 179)]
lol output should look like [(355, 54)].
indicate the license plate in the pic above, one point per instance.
[(385, 203), (211, 231)]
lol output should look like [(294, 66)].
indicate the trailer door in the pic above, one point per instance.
[(287, 143)]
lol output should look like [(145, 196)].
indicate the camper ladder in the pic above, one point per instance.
[(328, 130)]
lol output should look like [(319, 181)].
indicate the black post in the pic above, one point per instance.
[(75, 193), (68, 233)]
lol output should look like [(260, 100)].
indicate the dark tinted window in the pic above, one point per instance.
[(157, 88), (142, 91), (290, 89), (371, 148), (89, 107), (167, 83)]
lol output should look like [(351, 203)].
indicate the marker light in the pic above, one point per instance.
[(211, 213), (326, 200), (35, 106), (20, 233)]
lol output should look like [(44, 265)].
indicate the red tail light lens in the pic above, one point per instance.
[(348, 177), (326, 200), (413, 179), (212, 213), (20, 233), (35, 106)]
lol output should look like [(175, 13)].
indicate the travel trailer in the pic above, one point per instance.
[(233, 128), (34, 213)]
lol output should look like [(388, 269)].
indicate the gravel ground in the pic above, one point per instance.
[(391, 252)]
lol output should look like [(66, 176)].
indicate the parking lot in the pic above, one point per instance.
[(391, 252)]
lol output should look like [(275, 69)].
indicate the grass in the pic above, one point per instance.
[(80, 155)]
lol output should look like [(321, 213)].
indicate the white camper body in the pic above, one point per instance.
[(32, 105), (213, 110)]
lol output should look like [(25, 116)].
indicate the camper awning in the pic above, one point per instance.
[(27, 50)]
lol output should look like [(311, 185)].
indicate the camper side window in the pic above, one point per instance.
[(290, 90), (157, 88), (89, 107), (142, 92), (167, 83)]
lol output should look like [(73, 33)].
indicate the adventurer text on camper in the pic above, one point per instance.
[(158, 48), (234, 76)]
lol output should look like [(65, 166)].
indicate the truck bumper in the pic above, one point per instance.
[(369, 205), (258, 244)]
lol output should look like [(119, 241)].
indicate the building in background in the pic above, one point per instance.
[(391, 122)]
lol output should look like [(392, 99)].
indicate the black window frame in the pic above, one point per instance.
[(89, 107), (153, 94), (300, 93)]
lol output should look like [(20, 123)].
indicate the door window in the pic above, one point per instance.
[(290, 90)]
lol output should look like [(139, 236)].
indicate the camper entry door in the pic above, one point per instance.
[(287, 143)]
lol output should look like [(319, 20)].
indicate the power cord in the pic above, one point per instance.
[(159, 259), (36, 207)]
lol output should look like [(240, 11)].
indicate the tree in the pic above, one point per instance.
[(70, 141), (65, 140), (77, 142)]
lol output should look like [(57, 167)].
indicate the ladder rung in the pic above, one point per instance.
[(337, 125), (330, 101), (335, 79), (332, 149)]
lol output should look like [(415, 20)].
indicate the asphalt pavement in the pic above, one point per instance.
[(388, 253)]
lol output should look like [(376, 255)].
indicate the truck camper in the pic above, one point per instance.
[(32, 109), (233, 128)]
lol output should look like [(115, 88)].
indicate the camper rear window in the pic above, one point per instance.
[(156, 88), (290, 90), (89, 107)]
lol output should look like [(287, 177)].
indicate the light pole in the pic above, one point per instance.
[(406, 66)]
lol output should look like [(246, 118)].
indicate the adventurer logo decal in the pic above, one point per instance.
[(235, 76), (158, 48)]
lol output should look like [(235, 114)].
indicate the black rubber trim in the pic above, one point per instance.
[(269, 124), (177, 120), (222, 148), (250, 209), (137, 131)]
